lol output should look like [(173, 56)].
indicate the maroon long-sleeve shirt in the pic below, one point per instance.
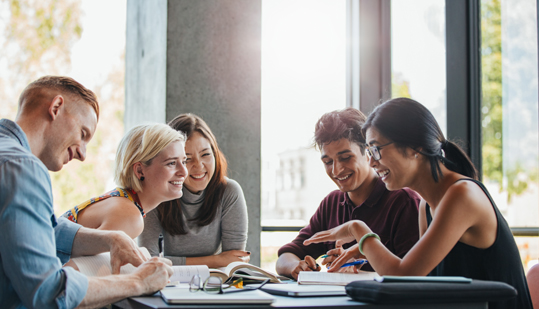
[(393, 215)]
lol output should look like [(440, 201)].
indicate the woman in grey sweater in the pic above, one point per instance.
[(208, 224)]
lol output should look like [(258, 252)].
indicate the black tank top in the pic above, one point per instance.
[(499, 262)]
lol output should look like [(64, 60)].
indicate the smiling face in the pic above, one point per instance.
[(200, 162), (68, 135), (395, 167), (346, 165), (165, 175)]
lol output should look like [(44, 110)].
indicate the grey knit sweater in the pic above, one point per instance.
[(227, 232)]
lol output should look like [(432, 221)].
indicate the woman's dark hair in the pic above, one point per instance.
[(170, 213), (345, 123), (409, 124)]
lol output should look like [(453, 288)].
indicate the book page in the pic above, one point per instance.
[(230, 268), (219, 272), (184, 273), (99, 265), (251, 270), (315, 277)]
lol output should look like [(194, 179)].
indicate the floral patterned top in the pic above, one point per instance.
[(130, 194)]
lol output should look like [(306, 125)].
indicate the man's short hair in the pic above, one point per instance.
[(142, 144), (66, 85), (335, 125)]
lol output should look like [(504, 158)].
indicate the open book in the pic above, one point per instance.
[(99, 265), (315, 277), (244, 270)]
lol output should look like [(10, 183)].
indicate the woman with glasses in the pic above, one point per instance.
[(462, 232), (208, 224)]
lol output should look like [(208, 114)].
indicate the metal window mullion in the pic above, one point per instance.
[(463, 69)]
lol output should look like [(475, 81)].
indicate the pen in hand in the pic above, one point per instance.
[(161, 239), (358, 262)]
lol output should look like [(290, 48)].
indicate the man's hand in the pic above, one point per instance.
[(154, 274), (124, 250), (148, 278), (308, 264)]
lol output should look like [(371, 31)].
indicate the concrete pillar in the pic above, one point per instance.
[(212, 54), (145, 62)]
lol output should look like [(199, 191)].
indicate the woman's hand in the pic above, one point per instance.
[(227, 257), (332, 255), (349, 269), (345, 233), (340, 256)]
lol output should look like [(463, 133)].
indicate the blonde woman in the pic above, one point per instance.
[(150, 169)]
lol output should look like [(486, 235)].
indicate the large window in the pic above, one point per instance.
[(303, 77), (82, 40), (509, 113), (419, 57), (418, 54)]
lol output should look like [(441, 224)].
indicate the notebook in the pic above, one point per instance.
[(183, 296), (296, 290), (325, 278)]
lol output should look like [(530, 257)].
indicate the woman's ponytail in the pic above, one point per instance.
[(456, 160)]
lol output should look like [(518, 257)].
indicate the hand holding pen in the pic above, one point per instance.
[(332, 255), (349, 254), (355, 263), (310, 264), (307, 264)]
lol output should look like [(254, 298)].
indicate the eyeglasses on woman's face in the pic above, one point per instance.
[(214, 285), (374, 151)]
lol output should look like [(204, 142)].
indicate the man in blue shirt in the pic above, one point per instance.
[(56, 119)]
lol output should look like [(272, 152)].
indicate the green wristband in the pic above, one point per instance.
[(362, 240)]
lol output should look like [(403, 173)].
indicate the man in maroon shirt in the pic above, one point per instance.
[(361, 195)]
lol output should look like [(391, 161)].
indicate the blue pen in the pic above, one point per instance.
[(358, 262)]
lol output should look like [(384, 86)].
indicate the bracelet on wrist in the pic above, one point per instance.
[(362, 240)]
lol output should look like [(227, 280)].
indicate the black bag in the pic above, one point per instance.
[(429, 292)]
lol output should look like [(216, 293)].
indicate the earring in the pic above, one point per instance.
[(142, 178), (416, 155)]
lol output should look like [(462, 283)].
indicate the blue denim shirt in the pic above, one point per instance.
[(33, 244)]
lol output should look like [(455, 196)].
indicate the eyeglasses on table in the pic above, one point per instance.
[(214, 285)]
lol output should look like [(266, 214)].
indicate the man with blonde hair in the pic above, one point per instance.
[(56, 119)]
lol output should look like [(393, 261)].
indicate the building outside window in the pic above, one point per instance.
[(303, 77)]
